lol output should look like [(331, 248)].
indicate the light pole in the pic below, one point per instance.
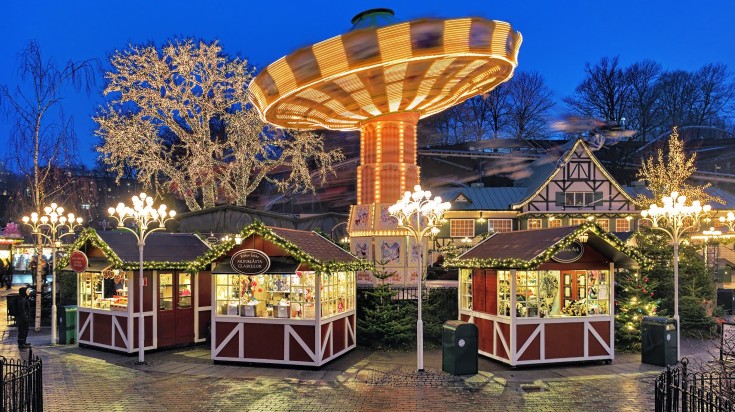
[(419, 214), (674, 219), (57, 226), (142, 214), (728, 221)]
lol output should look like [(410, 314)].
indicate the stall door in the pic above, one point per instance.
[(175, 309), (575, 286)]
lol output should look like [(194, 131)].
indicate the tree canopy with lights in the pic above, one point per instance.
[(180, 118)]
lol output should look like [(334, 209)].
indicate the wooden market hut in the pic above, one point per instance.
[(544, 296), (176, 298), (294, 305)]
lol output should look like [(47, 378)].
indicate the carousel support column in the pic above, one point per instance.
[(513, 309)]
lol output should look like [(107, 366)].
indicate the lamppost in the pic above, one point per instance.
[(142, 214), (420, 215), (674, 219), (57, 226), (728, 221)]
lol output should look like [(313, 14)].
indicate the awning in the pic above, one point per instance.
[(279, 265), (95, 265)]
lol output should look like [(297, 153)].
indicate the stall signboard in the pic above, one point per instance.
[(570, 254), (250, 262), (78, 261), (727, 345)]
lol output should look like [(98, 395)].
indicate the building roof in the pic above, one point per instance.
[(314, 245), (528, 249), (484, 198)]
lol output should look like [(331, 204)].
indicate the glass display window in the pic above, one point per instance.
[(98, 292), (166, 291), (338, 292), (537, 293), (465, 289), (504, 292), (184, 291), (586, 292)]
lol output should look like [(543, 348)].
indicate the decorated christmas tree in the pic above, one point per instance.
[(634, 300)]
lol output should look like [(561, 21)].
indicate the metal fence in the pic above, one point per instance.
[(21, 388), (678, 389)]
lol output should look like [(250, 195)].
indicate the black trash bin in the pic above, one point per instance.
[(12, 298), (459, 347), (67, 325), (659, 341)]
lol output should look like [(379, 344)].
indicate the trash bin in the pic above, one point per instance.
[(12, 298), (459, 347), (658, 341), (67, 325)]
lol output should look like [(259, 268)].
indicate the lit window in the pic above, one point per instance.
[(622, 225), (462, 228), (554, 222), (581, 198), (500, 225), (534, 224), (603, 223), (577, 222), (85, 206)]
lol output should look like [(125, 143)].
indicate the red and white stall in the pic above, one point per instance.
[(544, 296), (176, 300), (282, 296)]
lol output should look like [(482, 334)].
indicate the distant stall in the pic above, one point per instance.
[(176, 300), (282, 296), (544, 296)]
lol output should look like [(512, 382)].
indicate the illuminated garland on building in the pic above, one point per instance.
[(512, 263)]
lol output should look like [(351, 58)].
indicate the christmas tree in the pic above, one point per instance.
[(634, 300)]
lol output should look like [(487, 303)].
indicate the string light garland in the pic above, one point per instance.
[(513, 263)]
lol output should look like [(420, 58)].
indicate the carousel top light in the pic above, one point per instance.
[(423, 66)]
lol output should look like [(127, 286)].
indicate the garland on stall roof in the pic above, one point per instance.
[(513, 263), (258, 228)]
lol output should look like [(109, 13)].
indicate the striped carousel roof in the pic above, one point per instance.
[(424, 66)]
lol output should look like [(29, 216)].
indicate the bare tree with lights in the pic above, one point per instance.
[(42, 137), (179, 116)]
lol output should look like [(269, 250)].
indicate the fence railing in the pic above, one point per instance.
[(678, 389), (21, 388)]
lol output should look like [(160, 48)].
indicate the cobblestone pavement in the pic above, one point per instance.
[(78, 379)]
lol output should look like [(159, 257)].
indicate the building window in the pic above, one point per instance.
[(582, 198), (462, 228), (622, 225), (554, 222), (577, 222), (534, 224), (603, 223), (500, 225)]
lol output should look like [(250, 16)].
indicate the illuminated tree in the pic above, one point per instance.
[(179, 117), (668, 172), (634, 300)]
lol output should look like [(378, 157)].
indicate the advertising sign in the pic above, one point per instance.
[(250, 262), (78, 261)]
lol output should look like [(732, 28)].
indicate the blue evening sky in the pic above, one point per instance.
[(559, 36)]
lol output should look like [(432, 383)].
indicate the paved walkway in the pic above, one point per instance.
[(186, 379)]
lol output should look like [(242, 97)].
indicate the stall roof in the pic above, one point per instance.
[(305, 247), (528, 249)]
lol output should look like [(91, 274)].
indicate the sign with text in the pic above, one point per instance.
[(78, 261), (570, 254), (250, 262)]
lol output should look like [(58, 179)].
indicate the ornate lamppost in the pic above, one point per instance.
[(675, 218), (52, 226), (143, 215), (420, 215), (728, 221)]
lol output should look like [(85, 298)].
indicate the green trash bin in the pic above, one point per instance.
[(659, 341), (459, 347), (67, 325)]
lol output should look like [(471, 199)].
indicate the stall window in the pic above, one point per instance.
[(537, 293), (526, 293), (166, 291), (337, 293), (504, 292), (184, 290), (462, 228), (465, 287), (585, 292), (98, 292)]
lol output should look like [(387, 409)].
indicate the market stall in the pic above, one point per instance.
[(282, 296), (176, 299), (544, 296)]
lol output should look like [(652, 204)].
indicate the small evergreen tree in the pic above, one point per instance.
[(634, 300), (386, 323)]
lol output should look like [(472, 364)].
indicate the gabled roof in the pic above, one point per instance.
[(307, 247), (483, 198), (162, 250), (544, 170), (528, 249)]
